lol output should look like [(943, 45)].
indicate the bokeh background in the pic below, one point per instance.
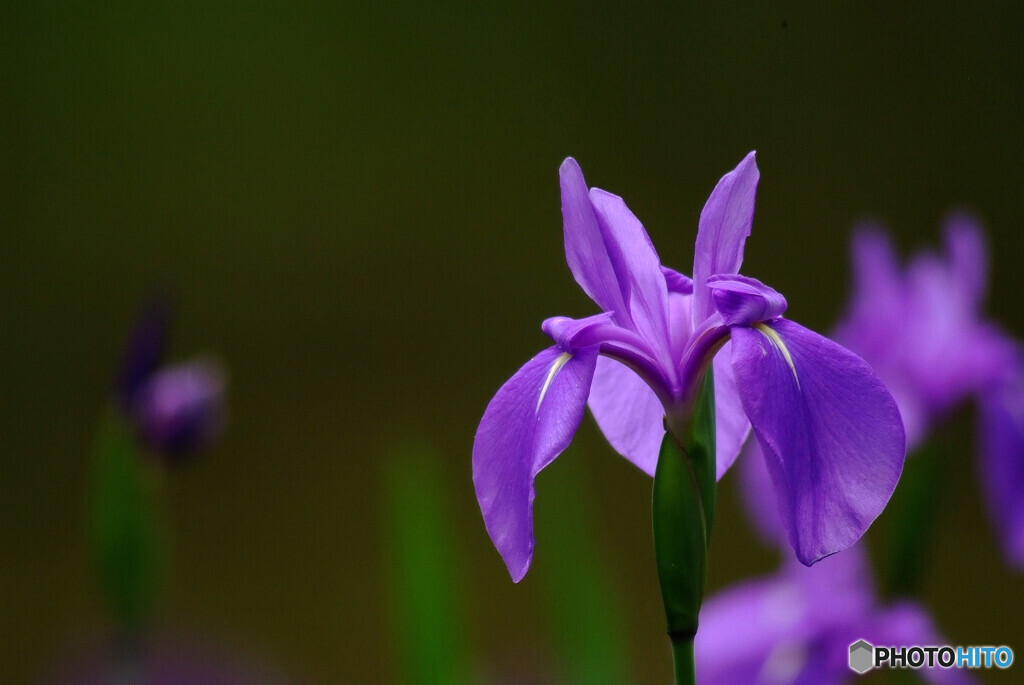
[(357, 206)]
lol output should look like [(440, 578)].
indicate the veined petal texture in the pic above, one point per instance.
[(528, 423), (829, 430), (585, 249), (637, 268), (725, 223), (612, 257)]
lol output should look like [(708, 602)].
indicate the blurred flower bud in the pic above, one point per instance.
[(180, 409)]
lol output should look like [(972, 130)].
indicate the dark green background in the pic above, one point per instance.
[(358, 206)]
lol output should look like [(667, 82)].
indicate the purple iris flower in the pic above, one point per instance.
[(638, 365), (796, 627), (922, 330), (175, 409)]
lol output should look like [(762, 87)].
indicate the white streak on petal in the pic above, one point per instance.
[(781, 346), (555, 368)]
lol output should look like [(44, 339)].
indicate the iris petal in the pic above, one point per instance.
[(829, 430), (677, 282), (628, 413), (743, 627), (638, 270), (731, 425), (585, 249), (528, 423), (743, 301), (725, 223), (614, 341), (968, 258), (759, 495)]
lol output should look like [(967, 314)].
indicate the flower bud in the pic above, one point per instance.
[(180, 409)]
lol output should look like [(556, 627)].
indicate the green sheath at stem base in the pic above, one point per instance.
[(683, 509)]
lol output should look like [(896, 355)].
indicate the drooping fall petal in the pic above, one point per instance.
[(529, 422), (829, 430)]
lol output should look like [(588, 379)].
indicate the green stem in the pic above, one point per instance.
[(682, 659)]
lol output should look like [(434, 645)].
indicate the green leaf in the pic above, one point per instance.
[(427, 596), (580, 597), (126, 543)]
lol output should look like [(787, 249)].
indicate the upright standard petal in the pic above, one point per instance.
[(809, 401), (586, 251), (725, 223), (528, 423), (637, 268), (680, 319), (628, 412)]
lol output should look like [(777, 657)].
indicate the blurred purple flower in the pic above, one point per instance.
[(922, 330), (796, 627), (640, 362), (176, 409), (179, 408)]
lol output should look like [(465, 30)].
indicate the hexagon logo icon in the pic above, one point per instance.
[(862, 656)]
